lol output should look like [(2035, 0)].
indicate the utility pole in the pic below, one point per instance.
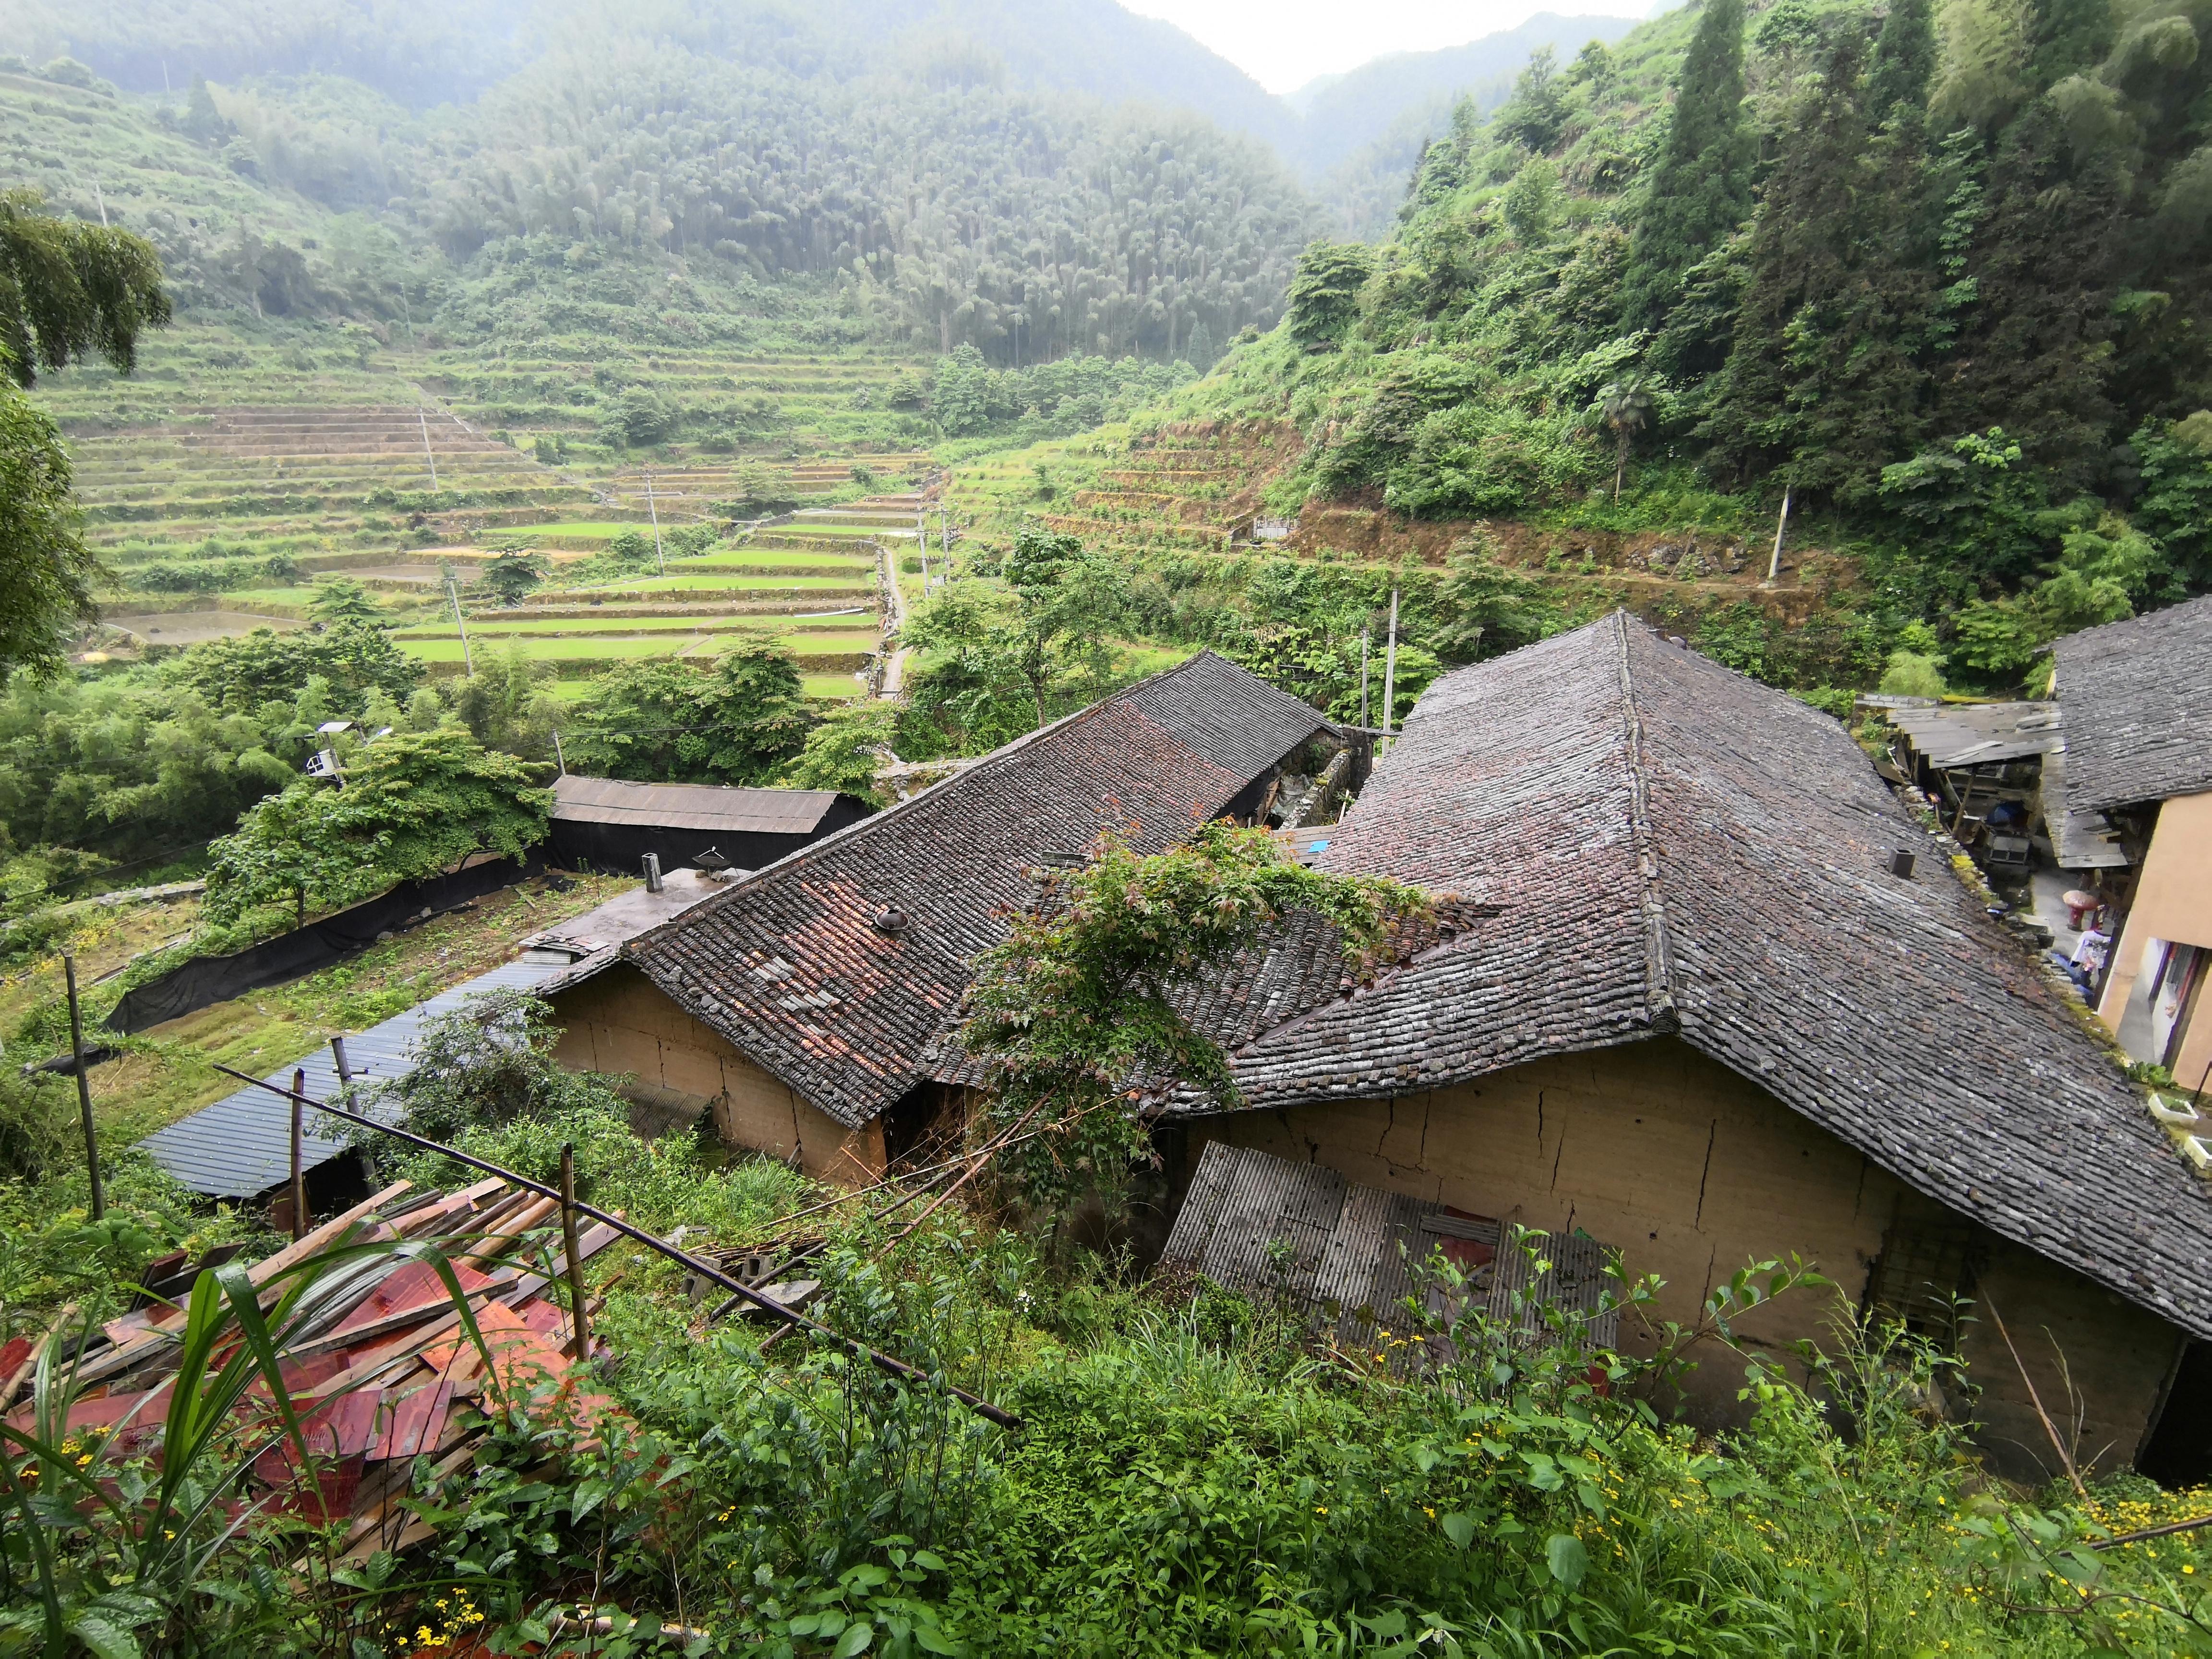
[(298, 1187), (655, 511), (560, 759), (468, 664), (1781, 524), (1364, 634), (83, 1089), (1390, 666), (424, 420), (944, 522)]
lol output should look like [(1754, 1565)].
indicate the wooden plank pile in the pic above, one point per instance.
[(382, 1371)]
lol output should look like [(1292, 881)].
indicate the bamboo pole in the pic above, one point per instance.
[(579, 1321), (83, 1089)]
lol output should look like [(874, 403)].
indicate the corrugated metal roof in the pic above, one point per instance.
[(690, 806), (241, 1147), (1978, 734)]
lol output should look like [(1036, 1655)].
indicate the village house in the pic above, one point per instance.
[(2138, 701), (607, 823), (808, 1006), (1717, 997)]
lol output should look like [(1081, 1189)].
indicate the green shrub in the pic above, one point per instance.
[(1911, 674)]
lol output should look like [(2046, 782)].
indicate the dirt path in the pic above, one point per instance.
[(894, 669)]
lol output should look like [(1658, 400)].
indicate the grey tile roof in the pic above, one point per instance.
[(690, 806), (789, 963), (2138, 701), (1667, 846)]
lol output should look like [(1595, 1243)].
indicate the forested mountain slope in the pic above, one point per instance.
[(927, 193), (1940, 277)]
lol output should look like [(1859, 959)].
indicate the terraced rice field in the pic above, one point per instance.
[(1187, 490), (227, 446)]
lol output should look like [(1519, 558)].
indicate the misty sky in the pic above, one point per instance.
[(1284, 44)]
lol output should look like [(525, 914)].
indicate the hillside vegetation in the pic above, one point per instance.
[(1938, 278)]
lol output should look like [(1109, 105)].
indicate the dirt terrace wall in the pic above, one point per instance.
[(619, 1022)]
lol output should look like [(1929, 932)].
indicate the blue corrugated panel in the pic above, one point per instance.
[(241, 1147)]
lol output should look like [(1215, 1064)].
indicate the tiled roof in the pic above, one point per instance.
[(1668, 846), (690, 806), (789, 963), (2138, 701)]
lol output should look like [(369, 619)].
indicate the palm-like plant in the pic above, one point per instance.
[(101, 1545), (1624, 408)]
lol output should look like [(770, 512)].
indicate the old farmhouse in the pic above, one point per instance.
[(1705, 1014), (807, 1005), (2138, 701)]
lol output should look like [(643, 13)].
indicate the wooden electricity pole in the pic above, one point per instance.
[(83, 1090)]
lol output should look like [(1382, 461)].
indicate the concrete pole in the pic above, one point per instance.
[(655, 511), (424, 421), (468, 663), (1364, 634), (1390, 667)]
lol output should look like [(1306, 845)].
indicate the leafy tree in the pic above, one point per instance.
[(1976, 493), (1700, 187), (1904, 61), (666, 722), (2176, 504), (1995, 641), (46, 573), (1081, 1004), (1324, 293), (505, 704), (1824, 382), (411, 804), (845, 750), (1049, 632), (1537, 110), (1624, 408), (350, 658), (341, 600), (2034, 348), (68, 291), (1485, 609), (513, 572)]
